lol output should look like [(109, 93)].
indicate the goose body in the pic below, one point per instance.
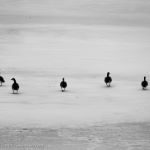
[(15, 85), (2, 80), (63, 84), (108, 79), (144, 83)]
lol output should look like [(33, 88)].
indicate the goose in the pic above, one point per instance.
[(15, 86), (144, 83), (108, 79), (63, 84), (2, 80)]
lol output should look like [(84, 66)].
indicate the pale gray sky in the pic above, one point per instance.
[(76, 11)]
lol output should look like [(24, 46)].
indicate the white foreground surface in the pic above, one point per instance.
[(38, 56)]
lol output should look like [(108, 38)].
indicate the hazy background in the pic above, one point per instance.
[(118, 12)]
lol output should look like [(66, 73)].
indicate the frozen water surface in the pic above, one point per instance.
[(88, 115)]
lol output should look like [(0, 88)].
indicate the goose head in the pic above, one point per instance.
[(13, 79), (108, 73), (144, 78)]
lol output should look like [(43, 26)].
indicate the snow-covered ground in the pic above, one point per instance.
[(88, 115), (39, 56)]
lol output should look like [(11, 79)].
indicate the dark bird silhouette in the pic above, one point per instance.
[(2, 80), (108, 79), (63, 84), (15, 86), (144, 83)]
